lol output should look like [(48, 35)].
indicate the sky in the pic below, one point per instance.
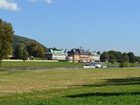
[(98, 25)]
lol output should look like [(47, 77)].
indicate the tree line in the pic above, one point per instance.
[(22, 51), (117, 56), (31, 49)]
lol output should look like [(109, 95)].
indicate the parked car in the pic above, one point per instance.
[(95, 65), (104, 66), (88, 66), (98, 65)]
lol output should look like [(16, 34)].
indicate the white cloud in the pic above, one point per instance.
[(8, 5), (13, 6), (48, 1)]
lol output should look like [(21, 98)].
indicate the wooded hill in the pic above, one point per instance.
[(26, 41)]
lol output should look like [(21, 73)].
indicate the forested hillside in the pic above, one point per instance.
[(26, 41)]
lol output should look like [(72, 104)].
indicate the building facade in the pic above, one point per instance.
[(56, 54), (79, 55), (95, 57), (75, 55)]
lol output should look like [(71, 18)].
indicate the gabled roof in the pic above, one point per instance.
[(79, 52)]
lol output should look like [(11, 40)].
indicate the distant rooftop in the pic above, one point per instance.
[(57, 51)]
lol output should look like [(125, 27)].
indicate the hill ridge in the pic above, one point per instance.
[(24, 40)]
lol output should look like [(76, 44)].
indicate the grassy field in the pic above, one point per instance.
[(70, 87), (38, 65), (41, 64)]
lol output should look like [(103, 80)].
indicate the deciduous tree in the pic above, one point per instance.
[(6, 39), (35, 50), (131, 57), (104, 57)]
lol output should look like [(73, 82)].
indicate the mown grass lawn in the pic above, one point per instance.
[(70, 87)]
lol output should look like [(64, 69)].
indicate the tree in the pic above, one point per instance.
[(25, 54), (118, 56), (125, 60), (40, 52), (35, 50), (104, 57), (131, 57), (125, 57), (111, 58), (18, 51), (99, 53), (6, 39), (137, 59)]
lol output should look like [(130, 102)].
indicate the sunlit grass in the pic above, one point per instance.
[(39, 64), (69, 87)]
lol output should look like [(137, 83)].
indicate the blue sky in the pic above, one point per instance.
[(93, 24)]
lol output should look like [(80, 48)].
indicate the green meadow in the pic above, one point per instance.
[(41, 65), (110, 86)]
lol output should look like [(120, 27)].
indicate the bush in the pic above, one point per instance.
[(124, 64)]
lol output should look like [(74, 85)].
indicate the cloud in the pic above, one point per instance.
[(47, 1), (13, 6), (8, 5)]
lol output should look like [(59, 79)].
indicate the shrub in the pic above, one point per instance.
[(124, 64)]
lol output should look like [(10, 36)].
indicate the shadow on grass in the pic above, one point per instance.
[(110, 82), (124, 81), (102, 94), (118, 81)]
